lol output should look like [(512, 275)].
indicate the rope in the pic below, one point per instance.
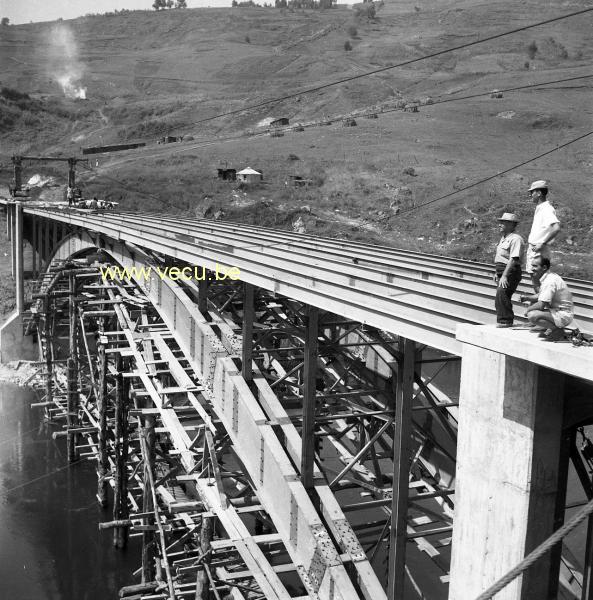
[(537, 553)]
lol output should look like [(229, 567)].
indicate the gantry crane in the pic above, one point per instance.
[(16, 187)]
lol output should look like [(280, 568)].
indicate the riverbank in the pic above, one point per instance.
[(18, 372)]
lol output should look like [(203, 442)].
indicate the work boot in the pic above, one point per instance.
[(555, 335)]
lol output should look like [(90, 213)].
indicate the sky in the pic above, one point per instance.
[(23, 11)]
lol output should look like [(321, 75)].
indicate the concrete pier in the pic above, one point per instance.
[(511, 414), (13, 344)]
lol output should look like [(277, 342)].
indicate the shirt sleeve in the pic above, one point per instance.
[(547, 292), (549, 216), (515, 247)]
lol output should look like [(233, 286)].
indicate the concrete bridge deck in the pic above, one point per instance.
[(422, 297)]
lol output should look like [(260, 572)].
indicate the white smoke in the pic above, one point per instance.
[(64, 64), (70, 87)]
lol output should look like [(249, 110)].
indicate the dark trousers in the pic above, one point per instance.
[(502, 302)]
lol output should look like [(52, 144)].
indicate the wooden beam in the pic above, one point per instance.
[(73, 393), (404, 392), (103, 464), (248, 316), (309, 393), (120, 501)]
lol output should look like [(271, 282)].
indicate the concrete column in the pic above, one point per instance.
[(9, 222), (39, 247), (19, 274), (508, 455), (13, 239), (46, 241), (34, 225)]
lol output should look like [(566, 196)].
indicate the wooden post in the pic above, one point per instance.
[(47, 332), (248, 315), (568, 439), (120, 504), (103, 464), (206, 535), (583, 475), (309, 393), (72, 417), (18, 259), (401, 470), (587, 593), (203, 295), (148, 541)]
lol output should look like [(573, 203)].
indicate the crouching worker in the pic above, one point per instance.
[(509, 253), (552, 308)]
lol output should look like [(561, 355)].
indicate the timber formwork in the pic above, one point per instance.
[(260, 447), (331, 395)]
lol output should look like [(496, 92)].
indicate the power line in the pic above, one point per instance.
[(511, 89), (498, 174), (207, 142), (389, 67)]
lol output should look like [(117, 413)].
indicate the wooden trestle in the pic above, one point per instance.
[(181, 465)]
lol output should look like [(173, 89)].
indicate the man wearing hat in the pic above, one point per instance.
[(544, 229), (507, 260)]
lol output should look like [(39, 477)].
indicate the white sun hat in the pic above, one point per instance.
[(539, 185)]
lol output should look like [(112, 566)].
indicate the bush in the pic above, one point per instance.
[(14, 95), (347, 46), (247, 39), (352, 31), (532, 49)]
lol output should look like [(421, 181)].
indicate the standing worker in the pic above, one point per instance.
[(507, 260), (70, 195), (544, 229)]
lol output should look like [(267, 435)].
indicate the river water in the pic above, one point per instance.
[(50, 545)]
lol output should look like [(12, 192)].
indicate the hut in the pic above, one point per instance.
[(249, 175), (279, 122), (169, 139), (349, 122)]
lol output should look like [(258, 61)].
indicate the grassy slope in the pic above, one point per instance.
[(359, 172)]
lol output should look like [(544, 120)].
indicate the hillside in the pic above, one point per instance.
[(148, 74)]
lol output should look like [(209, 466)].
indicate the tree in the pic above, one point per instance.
[(181, 4), (5, 21), (158, 4), (170, 3)]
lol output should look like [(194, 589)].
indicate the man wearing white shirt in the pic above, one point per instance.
[(552, 308), (544, 229)]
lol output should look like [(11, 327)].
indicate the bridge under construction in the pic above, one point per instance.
[(282, 416)]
